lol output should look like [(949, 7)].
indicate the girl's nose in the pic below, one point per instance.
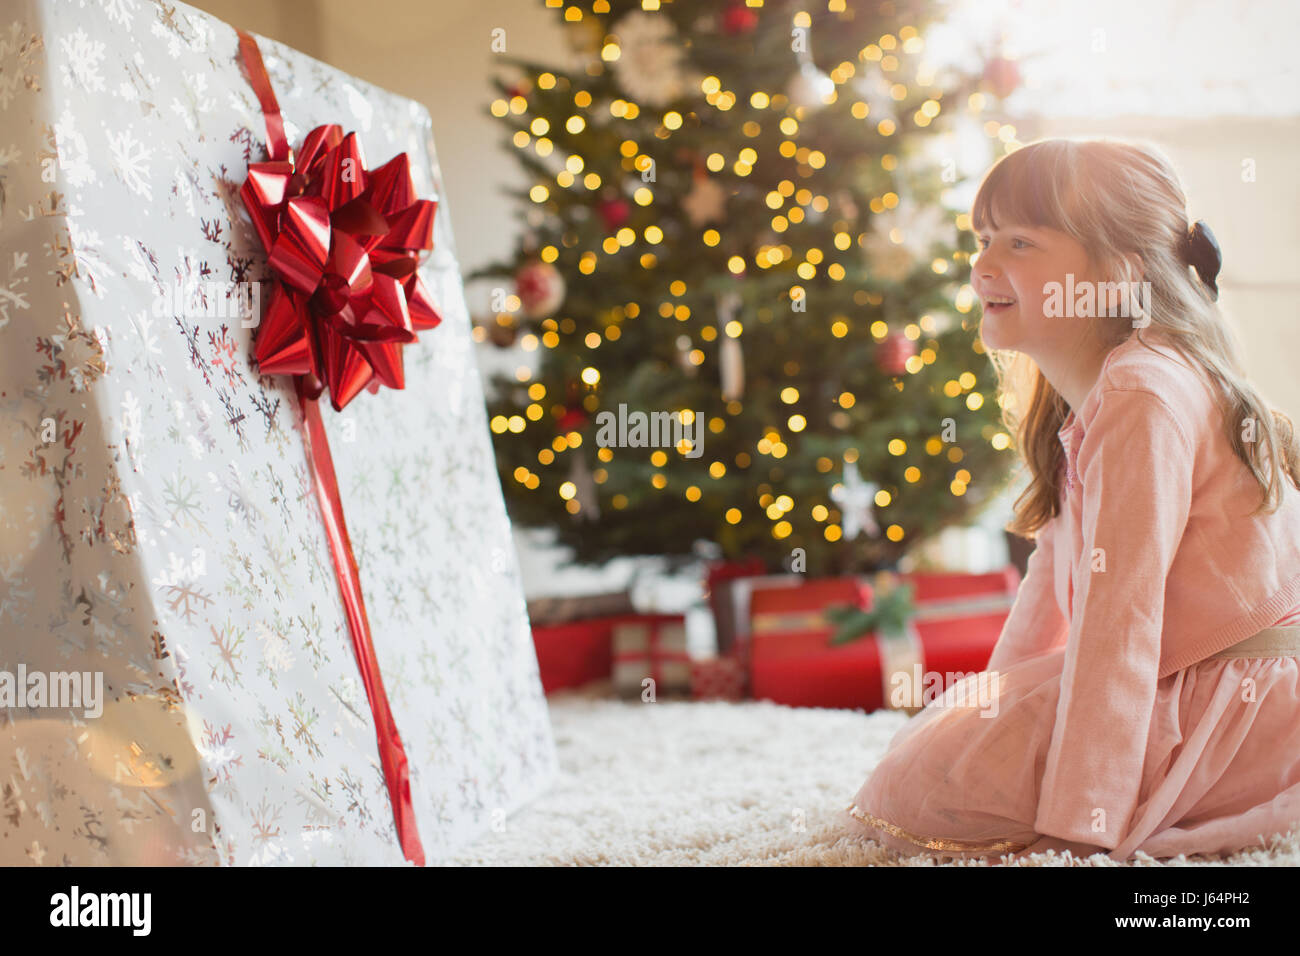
[(986, 265)]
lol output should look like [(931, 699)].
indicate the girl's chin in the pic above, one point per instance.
[(992, 336), (996, 334)]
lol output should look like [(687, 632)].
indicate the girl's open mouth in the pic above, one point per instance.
[(998, 304)]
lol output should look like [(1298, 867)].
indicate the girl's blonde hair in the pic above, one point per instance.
[(1117, 198)]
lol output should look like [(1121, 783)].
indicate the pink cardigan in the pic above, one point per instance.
[(1151, 566)]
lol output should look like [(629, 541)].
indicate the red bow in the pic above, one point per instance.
[(344, 244)]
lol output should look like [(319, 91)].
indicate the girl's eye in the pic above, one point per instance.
[(983, 243)]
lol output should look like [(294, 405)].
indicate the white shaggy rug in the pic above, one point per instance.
[(677, 783)]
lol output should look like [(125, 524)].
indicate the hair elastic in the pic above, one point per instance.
[(1202, 251)]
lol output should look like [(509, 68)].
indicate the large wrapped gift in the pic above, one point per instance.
[(238, 626), (956, 624)]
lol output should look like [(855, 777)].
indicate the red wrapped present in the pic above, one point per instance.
[(576, 653), (718, 678), (730, 599), (958, 620), (651, 646), (788, 618)]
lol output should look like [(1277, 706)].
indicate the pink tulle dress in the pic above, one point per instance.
[(1077, 732), (1219, 774)]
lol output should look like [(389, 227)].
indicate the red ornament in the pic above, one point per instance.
[(540, 288), (614, 213), (344, 244), (571, 420), (738, 19), (893, 352), (573, 416), (1002, 77), (502, 336)]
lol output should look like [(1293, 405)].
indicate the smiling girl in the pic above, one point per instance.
[(1148, 674)]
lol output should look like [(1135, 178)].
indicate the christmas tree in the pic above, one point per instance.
[(734, 223)]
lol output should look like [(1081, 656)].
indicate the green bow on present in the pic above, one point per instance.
[(891, 609)]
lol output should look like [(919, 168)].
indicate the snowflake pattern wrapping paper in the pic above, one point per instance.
[(158, 525)]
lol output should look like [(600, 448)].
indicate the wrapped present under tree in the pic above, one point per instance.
[(651, 647), (951, 628)]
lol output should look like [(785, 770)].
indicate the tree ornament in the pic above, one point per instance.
[(614, 213), (584, 486), (1001, 76), (574, 416), (649, 67), (500, 334), (856, 500), (892, 353), (585, 37), (878, 93), (738, 19), (809, 88), (845, 205), (540, 288), (706, 202), (684, 356), (731, 360)]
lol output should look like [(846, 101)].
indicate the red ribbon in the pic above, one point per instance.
[(344, 244)]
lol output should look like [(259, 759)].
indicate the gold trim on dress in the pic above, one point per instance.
[(998, 846), (1271, 642)]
